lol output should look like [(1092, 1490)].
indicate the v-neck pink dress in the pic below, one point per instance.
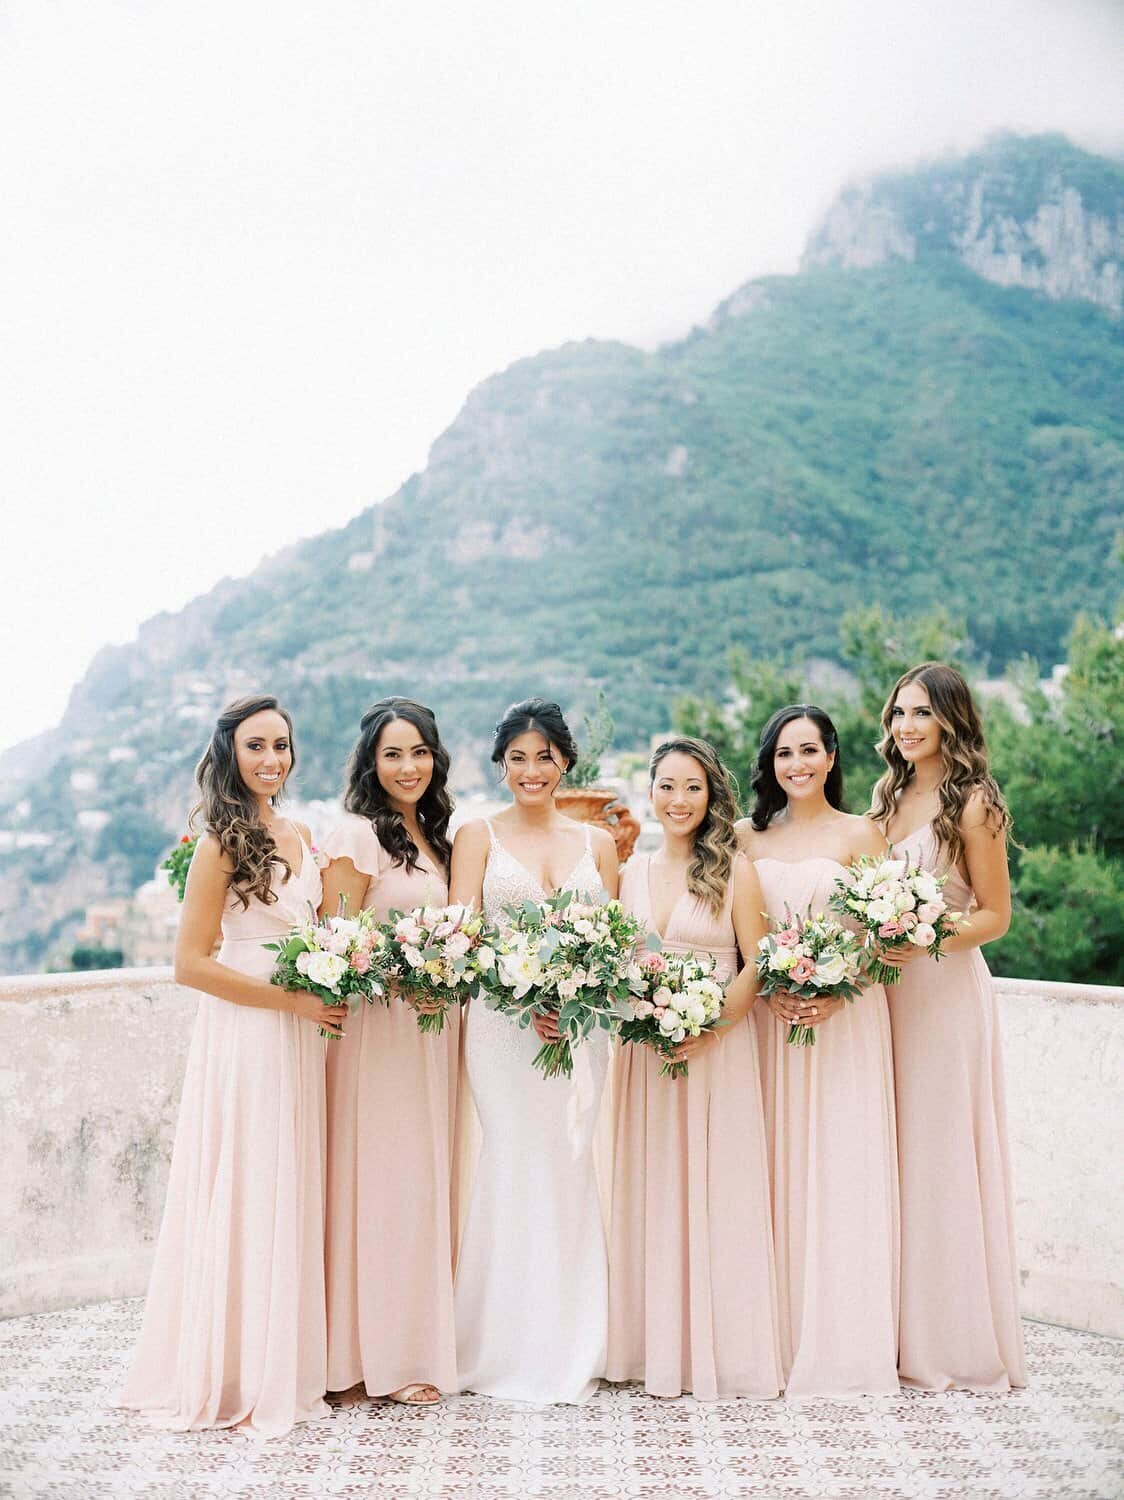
[(391, 1117), (829, 1122), (960, 1306), (233, 1331), (692, 1288)]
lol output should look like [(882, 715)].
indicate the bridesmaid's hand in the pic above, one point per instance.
[(423, 1007), (547, 1026), (895, 958), (694, 1047), (800, 1012), (311, 1008), (412, 999)]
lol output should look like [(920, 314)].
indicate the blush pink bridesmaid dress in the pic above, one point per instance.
[(960, 1321), (391, 1116), (692, 1288), (829, 1124), (234, 1330)]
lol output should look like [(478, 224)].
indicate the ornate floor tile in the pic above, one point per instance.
[(1063, 1437)]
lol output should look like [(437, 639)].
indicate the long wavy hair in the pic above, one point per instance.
[(715, 842), (964, 765), (769, 797), (539, 714), (229, 810), (365, 794)]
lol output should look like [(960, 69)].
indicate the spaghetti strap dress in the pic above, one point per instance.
[(960, 1323)]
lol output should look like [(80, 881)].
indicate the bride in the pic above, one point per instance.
[(532, 1288)]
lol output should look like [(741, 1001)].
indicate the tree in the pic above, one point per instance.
[(1060, 768), (1057, 757), (97, 958), (879, 648), (1067, 918), (757, 689)]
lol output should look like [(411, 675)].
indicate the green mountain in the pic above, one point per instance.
[(930, 413)]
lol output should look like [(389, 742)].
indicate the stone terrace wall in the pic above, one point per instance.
[(90, 1072)]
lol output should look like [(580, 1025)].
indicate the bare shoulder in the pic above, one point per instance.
[(979, 812), (210, 870), (472, 835), (864, 834), (603, 840), (743, 874), (746, 835), (208, 854), (305, 832), (211, 856)]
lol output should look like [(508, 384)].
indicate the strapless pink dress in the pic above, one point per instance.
[(234, 1327), (960, 1321), (829, 1124), (391, 1115), (692, 1287)]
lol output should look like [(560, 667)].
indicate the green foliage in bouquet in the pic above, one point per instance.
[(564, 956)]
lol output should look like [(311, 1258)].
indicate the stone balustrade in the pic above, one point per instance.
[(90, 1073)]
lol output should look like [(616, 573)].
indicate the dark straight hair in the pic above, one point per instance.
[(539, 714), (769, 798)]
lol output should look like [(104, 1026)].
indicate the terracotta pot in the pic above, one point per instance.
[(600, 805)]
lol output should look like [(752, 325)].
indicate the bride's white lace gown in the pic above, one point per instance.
[(532, 1283)]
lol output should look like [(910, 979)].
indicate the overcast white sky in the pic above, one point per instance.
[(254, 256)]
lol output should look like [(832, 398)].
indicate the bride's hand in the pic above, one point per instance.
[(547, 1026)]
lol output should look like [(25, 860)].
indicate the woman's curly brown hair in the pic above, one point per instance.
[(963, 757), (229, 809), (715, 843)]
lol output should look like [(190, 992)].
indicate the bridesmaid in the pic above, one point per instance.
[(233, 1330), (692, 1288), (829, 1108), (940, 807), (391, 1087)]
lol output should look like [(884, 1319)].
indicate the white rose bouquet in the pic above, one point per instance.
[(813, 957), (680, 998), (340, 958), (567, 956), (436, 955), (895, 905)]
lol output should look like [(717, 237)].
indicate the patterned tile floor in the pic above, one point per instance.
[(1064, 1436)]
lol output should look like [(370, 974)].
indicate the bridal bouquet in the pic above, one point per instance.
[(680, 998), (564, 955), (813, 957), (340, 959), (436, 955), (895, 905)]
